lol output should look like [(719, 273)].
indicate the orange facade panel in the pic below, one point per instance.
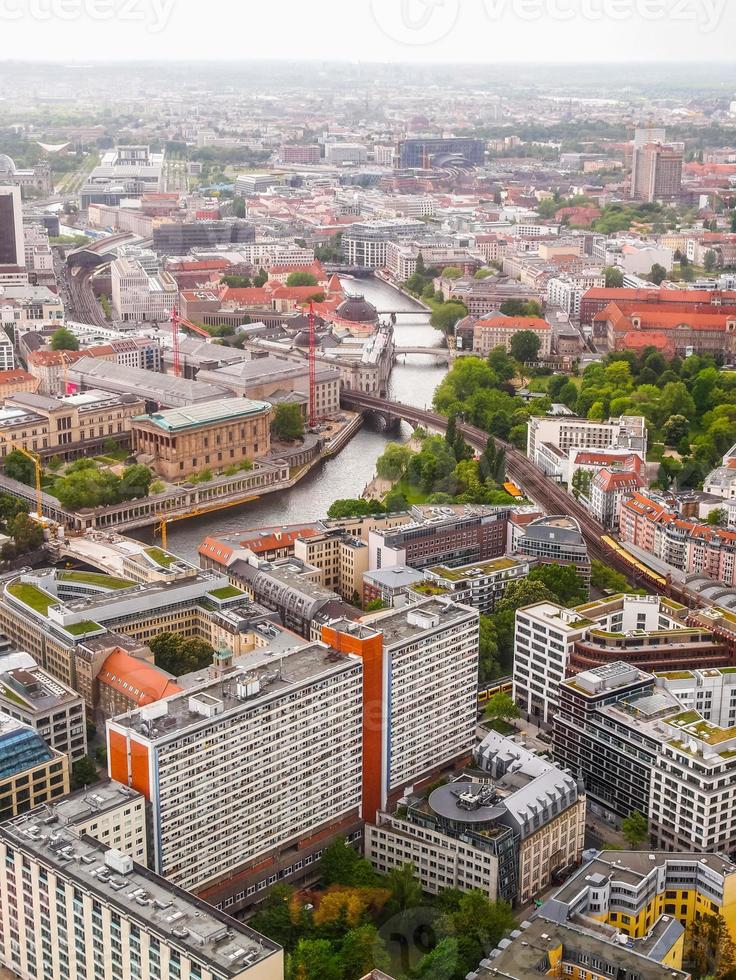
[(370, 650), (128, 763)]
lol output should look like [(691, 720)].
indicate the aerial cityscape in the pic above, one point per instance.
[(367, 490)]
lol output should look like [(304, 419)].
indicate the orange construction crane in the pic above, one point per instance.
[(36, 460)]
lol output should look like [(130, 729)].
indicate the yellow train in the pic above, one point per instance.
[(513, 491), (639, 567), (502, 685)]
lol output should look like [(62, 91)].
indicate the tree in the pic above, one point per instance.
[(236, 282), (26, 533), (502, 708), (179, 655), (502, 364), (717, 517), (287, 423), (260, 278), (354, 507), (525, 346), (84, 772), (451, 430), (525, 592), (314, 959), (675, 429), (447, 315), (451, 272), (517, 307), (440, 963), (635, 829), (274, 917), (395, 502), (658, 274), (19, 467), (607, 579), (301, 279), (375, 605), (341, 864), (614, 277), (406, 892), (488, 663), (562, 581), (362, 950), (64, 339), (135, 482), (393, 462), (710, 260)]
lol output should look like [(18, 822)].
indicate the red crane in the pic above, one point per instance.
[(312, 377)]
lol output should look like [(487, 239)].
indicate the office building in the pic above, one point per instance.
[(499, 331), (344, 154), (364, 243), (429, 152), (248, 775), (214, 435), (420, 677), (113, 814), (656, 172), (12, 243), (31, 773), (181, 237), (56, 712), (508, 834), (649, 631), (565, 433), (660, 744), (300, 153), (556, 540), (390, 585), (139, 294), (475, 536), (341, 559), (71, 906)]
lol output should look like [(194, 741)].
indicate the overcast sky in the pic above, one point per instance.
[(370, 30)]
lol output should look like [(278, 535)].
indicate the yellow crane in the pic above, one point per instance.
[(36, 460)]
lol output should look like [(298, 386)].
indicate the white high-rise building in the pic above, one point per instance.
[(247, 774), (72, 908)]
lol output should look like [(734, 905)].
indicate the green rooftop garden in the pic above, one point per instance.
[(162, 558), (675, 675), (79, 629), (33, 597), (429, 588), (12, 696), (96, 578), (486, 567), (226, 592)]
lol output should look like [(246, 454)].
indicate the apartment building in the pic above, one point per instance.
[(341, 559), (214, 435), (567, 292), (70, 426), (420, 669), (565, 433), (478, 585), (248, 774), (30, 307), (683, 543), (499, 331), (70, 905), (633, 891), (550, 945), (471, 537), (31, 773), (656, 173), (556, 540), (390, 585), (608, 490), (29, 694)]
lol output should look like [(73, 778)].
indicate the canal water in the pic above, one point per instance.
[(346, 474)]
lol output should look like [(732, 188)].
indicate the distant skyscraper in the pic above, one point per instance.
[(656, 172), (12, 244)]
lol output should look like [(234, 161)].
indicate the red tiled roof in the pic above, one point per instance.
[(8, 377), (136, 679), (515, 323), (47, 358)]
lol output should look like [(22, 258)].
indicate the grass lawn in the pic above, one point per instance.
[(162, 558), (32, 596), (79, 629), (502, 727), (226, 592), (413, 494), (96, 578)]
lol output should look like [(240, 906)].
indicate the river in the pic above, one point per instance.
[(347, 474)]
